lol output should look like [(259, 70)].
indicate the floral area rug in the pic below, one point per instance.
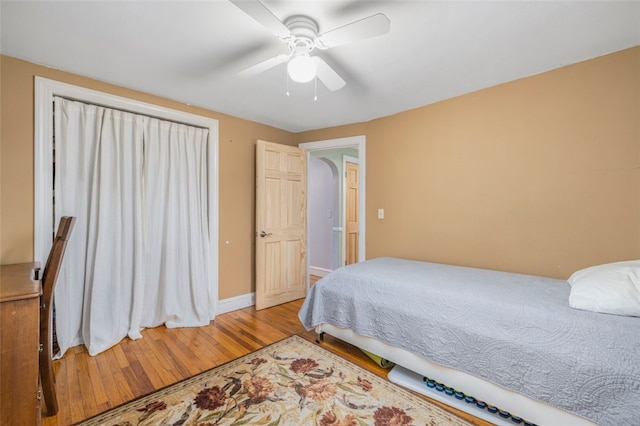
[(292, 382)]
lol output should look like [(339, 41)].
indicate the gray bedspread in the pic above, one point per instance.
[(514, 330)]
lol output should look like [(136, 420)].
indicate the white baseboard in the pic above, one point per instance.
[(320, 272), (235, 303)]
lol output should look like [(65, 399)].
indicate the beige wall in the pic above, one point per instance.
[(540, 175), (237, 186)]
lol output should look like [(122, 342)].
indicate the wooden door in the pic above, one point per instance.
[(351, 214), (281, 224)]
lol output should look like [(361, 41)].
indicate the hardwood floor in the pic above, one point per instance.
[(89, 385)]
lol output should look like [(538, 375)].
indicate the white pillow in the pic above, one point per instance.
[(612, 288)]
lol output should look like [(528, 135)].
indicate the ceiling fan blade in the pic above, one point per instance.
[(264, 16), (327, 75), (372, 26), (263, 66)]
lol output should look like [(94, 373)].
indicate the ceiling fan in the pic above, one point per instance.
[(300, 33)]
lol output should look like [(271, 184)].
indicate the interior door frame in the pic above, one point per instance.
[(359, 143), (44, 227)]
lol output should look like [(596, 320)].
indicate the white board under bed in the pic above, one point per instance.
[(531, 410)]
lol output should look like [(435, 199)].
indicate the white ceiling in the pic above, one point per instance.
[(190, 51)]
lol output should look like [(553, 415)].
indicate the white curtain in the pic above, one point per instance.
[(139, 254)]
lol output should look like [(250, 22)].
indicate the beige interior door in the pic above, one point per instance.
[(351, 213), (281, 224)]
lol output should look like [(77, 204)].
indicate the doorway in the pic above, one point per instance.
[(327, 206), (323, 239), (46, 209)]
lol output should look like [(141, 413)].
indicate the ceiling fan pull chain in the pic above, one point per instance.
[(315, 88), (287, 74)]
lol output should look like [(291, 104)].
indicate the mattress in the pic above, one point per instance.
[(514, 330)]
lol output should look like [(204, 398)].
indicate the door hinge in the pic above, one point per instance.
[(40, 347)]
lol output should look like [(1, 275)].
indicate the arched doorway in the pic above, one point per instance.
[(324, 216)]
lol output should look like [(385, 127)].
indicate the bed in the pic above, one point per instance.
[(509, 340)]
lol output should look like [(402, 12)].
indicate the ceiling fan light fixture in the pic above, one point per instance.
[(302, 68)]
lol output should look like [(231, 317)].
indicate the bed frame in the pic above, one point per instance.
[(518, 405)]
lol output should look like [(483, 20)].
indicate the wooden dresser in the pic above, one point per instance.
[(19, 345)]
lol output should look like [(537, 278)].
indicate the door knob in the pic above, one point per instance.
[(264, 234)]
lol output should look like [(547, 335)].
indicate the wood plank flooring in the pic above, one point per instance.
[(89, 385)]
